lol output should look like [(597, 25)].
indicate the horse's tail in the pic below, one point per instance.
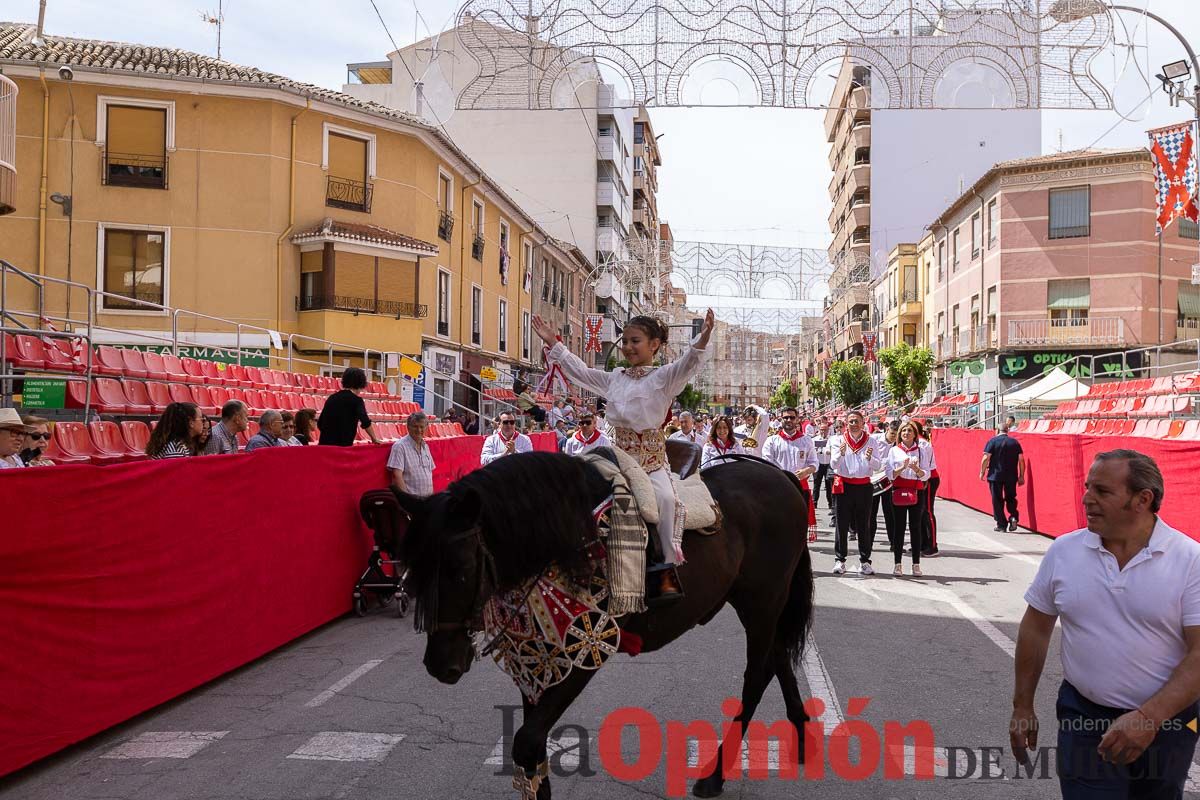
[(796, 619)]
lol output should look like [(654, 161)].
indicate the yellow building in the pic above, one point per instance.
[(231, 192), (898, 299)]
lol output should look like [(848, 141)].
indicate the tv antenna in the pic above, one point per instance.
[(218, 20)]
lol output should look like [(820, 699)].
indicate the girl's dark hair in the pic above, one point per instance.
[(712, 432), (653, 328), (306, 420), (173, 427)]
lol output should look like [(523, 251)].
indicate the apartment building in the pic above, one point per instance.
[(1054, 256), (897, 299), (281, 205)]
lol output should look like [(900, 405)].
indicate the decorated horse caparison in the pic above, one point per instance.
[(524, 516)]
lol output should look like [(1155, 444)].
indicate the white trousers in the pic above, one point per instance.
[(664, 492)]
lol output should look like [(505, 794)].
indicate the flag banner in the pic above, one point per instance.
[(592, 325), (1173, 149), (410, 368), (554, 381), (868, 341)]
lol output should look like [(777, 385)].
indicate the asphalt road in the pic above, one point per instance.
[(349, 712)]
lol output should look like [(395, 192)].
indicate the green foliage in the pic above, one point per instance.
[(692, 399), (908, 371), (819, 391), (785, 395), (851, 382)]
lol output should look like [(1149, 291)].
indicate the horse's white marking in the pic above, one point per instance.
[(821, 685), (325, 696), (348, 746), (165, 744)]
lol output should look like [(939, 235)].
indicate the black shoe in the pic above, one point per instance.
[(1012, 525), (1000, 528), (930, 553)]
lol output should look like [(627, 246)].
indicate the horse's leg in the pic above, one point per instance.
[(792, 698), (760, 639), (529, 742)]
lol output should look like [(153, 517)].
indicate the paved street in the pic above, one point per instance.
[(349, 711)]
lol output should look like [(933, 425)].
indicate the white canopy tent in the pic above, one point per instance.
[(1051, 389)]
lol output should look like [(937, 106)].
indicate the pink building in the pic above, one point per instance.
[(1048, 257)]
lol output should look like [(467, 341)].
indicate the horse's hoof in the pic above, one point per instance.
[(708, 787)]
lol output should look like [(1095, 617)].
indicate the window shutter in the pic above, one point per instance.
[(348, 158), (1189, 300), (137, 131), (1068, 294), (1070, 211)]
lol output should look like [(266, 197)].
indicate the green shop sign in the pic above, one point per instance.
[(1087, 364), (251, 356), (44, 393)]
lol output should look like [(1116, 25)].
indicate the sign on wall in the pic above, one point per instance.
[(488, 374), (1030, 364), (251, 356), (43, 393)]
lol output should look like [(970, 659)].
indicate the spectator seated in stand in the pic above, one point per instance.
[(205, 435), (471, 425), (270, 429), (234, 419), (36, 442), (12, 438), (288, 436), (177, 433), (306, 423)]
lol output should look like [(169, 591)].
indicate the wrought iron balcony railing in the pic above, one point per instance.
[(445, 226), (477, 248), (366, 305), (348, 194), (132, 169)]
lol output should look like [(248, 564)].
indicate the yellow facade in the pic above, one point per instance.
[(904, 294), (225, 215)]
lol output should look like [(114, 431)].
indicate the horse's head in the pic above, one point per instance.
[(450, 576)]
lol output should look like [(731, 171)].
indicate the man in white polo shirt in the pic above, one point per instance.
[(1127, 589)]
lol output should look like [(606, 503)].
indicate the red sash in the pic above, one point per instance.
[(859, 445), (595, 436), (793, 437)]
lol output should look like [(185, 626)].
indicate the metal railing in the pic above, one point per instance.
[(477, 245), (348, 194), (8, 145), (134, 169), (1089, 330), (368, 305), (445, 226)]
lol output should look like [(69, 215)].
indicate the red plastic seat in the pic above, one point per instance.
[(159, 395), (58, 359), (24, 352), (108, 443), (55, 453), (257, 379), (135, 363), (175, 371), (108, 397), (193, 369), (108, 361), (154, 365), (137, 435), (214, 375), (1175, 429), (237, 374), (202, 397), (139, 397), (270, 400), (180, 393), (254, 402), (220, 395), (74, 443), (1191, 431)]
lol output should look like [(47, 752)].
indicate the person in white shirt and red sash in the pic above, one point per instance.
[(794, 452), (506, 441), (854, 458), (908, 465), (721, 442), (587, 438)]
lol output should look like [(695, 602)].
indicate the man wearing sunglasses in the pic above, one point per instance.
[(505, 441), (587, 438)]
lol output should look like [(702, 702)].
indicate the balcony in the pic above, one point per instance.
[(348, 194), (445, 226), (643, 217), (8, 146), (860, 215), (607, 195), (363, 305), (976, 340), (860, 134), (910, 302), (606, 149), (377, 324), (1187, 328), (477, 247), (132, 169), (1089, 331)]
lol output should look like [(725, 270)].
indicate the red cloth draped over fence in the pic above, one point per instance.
[(1050, 502), (125, 586)]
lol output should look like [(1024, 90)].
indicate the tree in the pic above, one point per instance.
[(786, 395), (819, 390), (850, 381), (908, 371), (691, 398)]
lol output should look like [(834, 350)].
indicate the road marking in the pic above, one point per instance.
[(324, 696), (820, 684), (567, 744), (165, 744), (348, 746), (973, 540), (768, 760)]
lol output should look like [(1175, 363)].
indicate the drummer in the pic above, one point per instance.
[(882, 481)]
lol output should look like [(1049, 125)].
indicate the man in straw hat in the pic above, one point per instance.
[(12, 438)]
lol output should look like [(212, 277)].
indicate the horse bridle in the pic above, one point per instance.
[(486, 571)]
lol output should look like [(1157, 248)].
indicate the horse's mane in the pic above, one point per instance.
[(536, 510)]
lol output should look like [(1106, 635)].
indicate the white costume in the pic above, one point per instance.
[(791, 452), (759, 434), (694, 437), (577, 445), (495, 446), (898, 455), (712, 450), (638, 401)]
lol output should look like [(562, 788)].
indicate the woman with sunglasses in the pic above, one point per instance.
[(37, 441)]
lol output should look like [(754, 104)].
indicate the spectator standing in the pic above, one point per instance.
[(1003, 466), (506, 441), (471, 425), (234, 420), (754, 430), (854, 458), (288, 436), (270, 432), (1127, 590), (560, 434), (687, 430), (306, 423), (410, 461), (886, 438), (587, 438), (908, 467), (12, 438), (929, 538), (36, 442), (821, 476), (721, 442), (177, 433), (345, 411)]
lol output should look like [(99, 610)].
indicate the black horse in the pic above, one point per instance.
[(507, 522)]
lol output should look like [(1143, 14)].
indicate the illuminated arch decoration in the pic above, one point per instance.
[(525, 48), (801, 272)]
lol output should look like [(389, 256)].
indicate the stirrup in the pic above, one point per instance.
[(654, 596)]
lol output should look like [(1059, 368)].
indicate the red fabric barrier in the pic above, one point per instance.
[(1050, 502), (122, 587)]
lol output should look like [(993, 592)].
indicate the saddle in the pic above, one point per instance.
[(701, 513)]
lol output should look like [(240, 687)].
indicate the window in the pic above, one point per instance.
[(476, 316), (954, 248), (554, 287), (1070, 212), (639, 166), (443, 303), (1188, 229), (1068, 301), (639, 133), (993, 231), (133, 267), (991, 311), (976, 235), (604, 130), (503, 326), (445, 191), (545, 281), (477, 217), (349, 159), (941, 260), (1189, 308), (526, 333), (135, 151), (527, 265)]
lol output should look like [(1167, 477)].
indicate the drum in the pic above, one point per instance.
[(880, 483)]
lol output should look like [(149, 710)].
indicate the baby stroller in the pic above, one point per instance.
[(383, 580)]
